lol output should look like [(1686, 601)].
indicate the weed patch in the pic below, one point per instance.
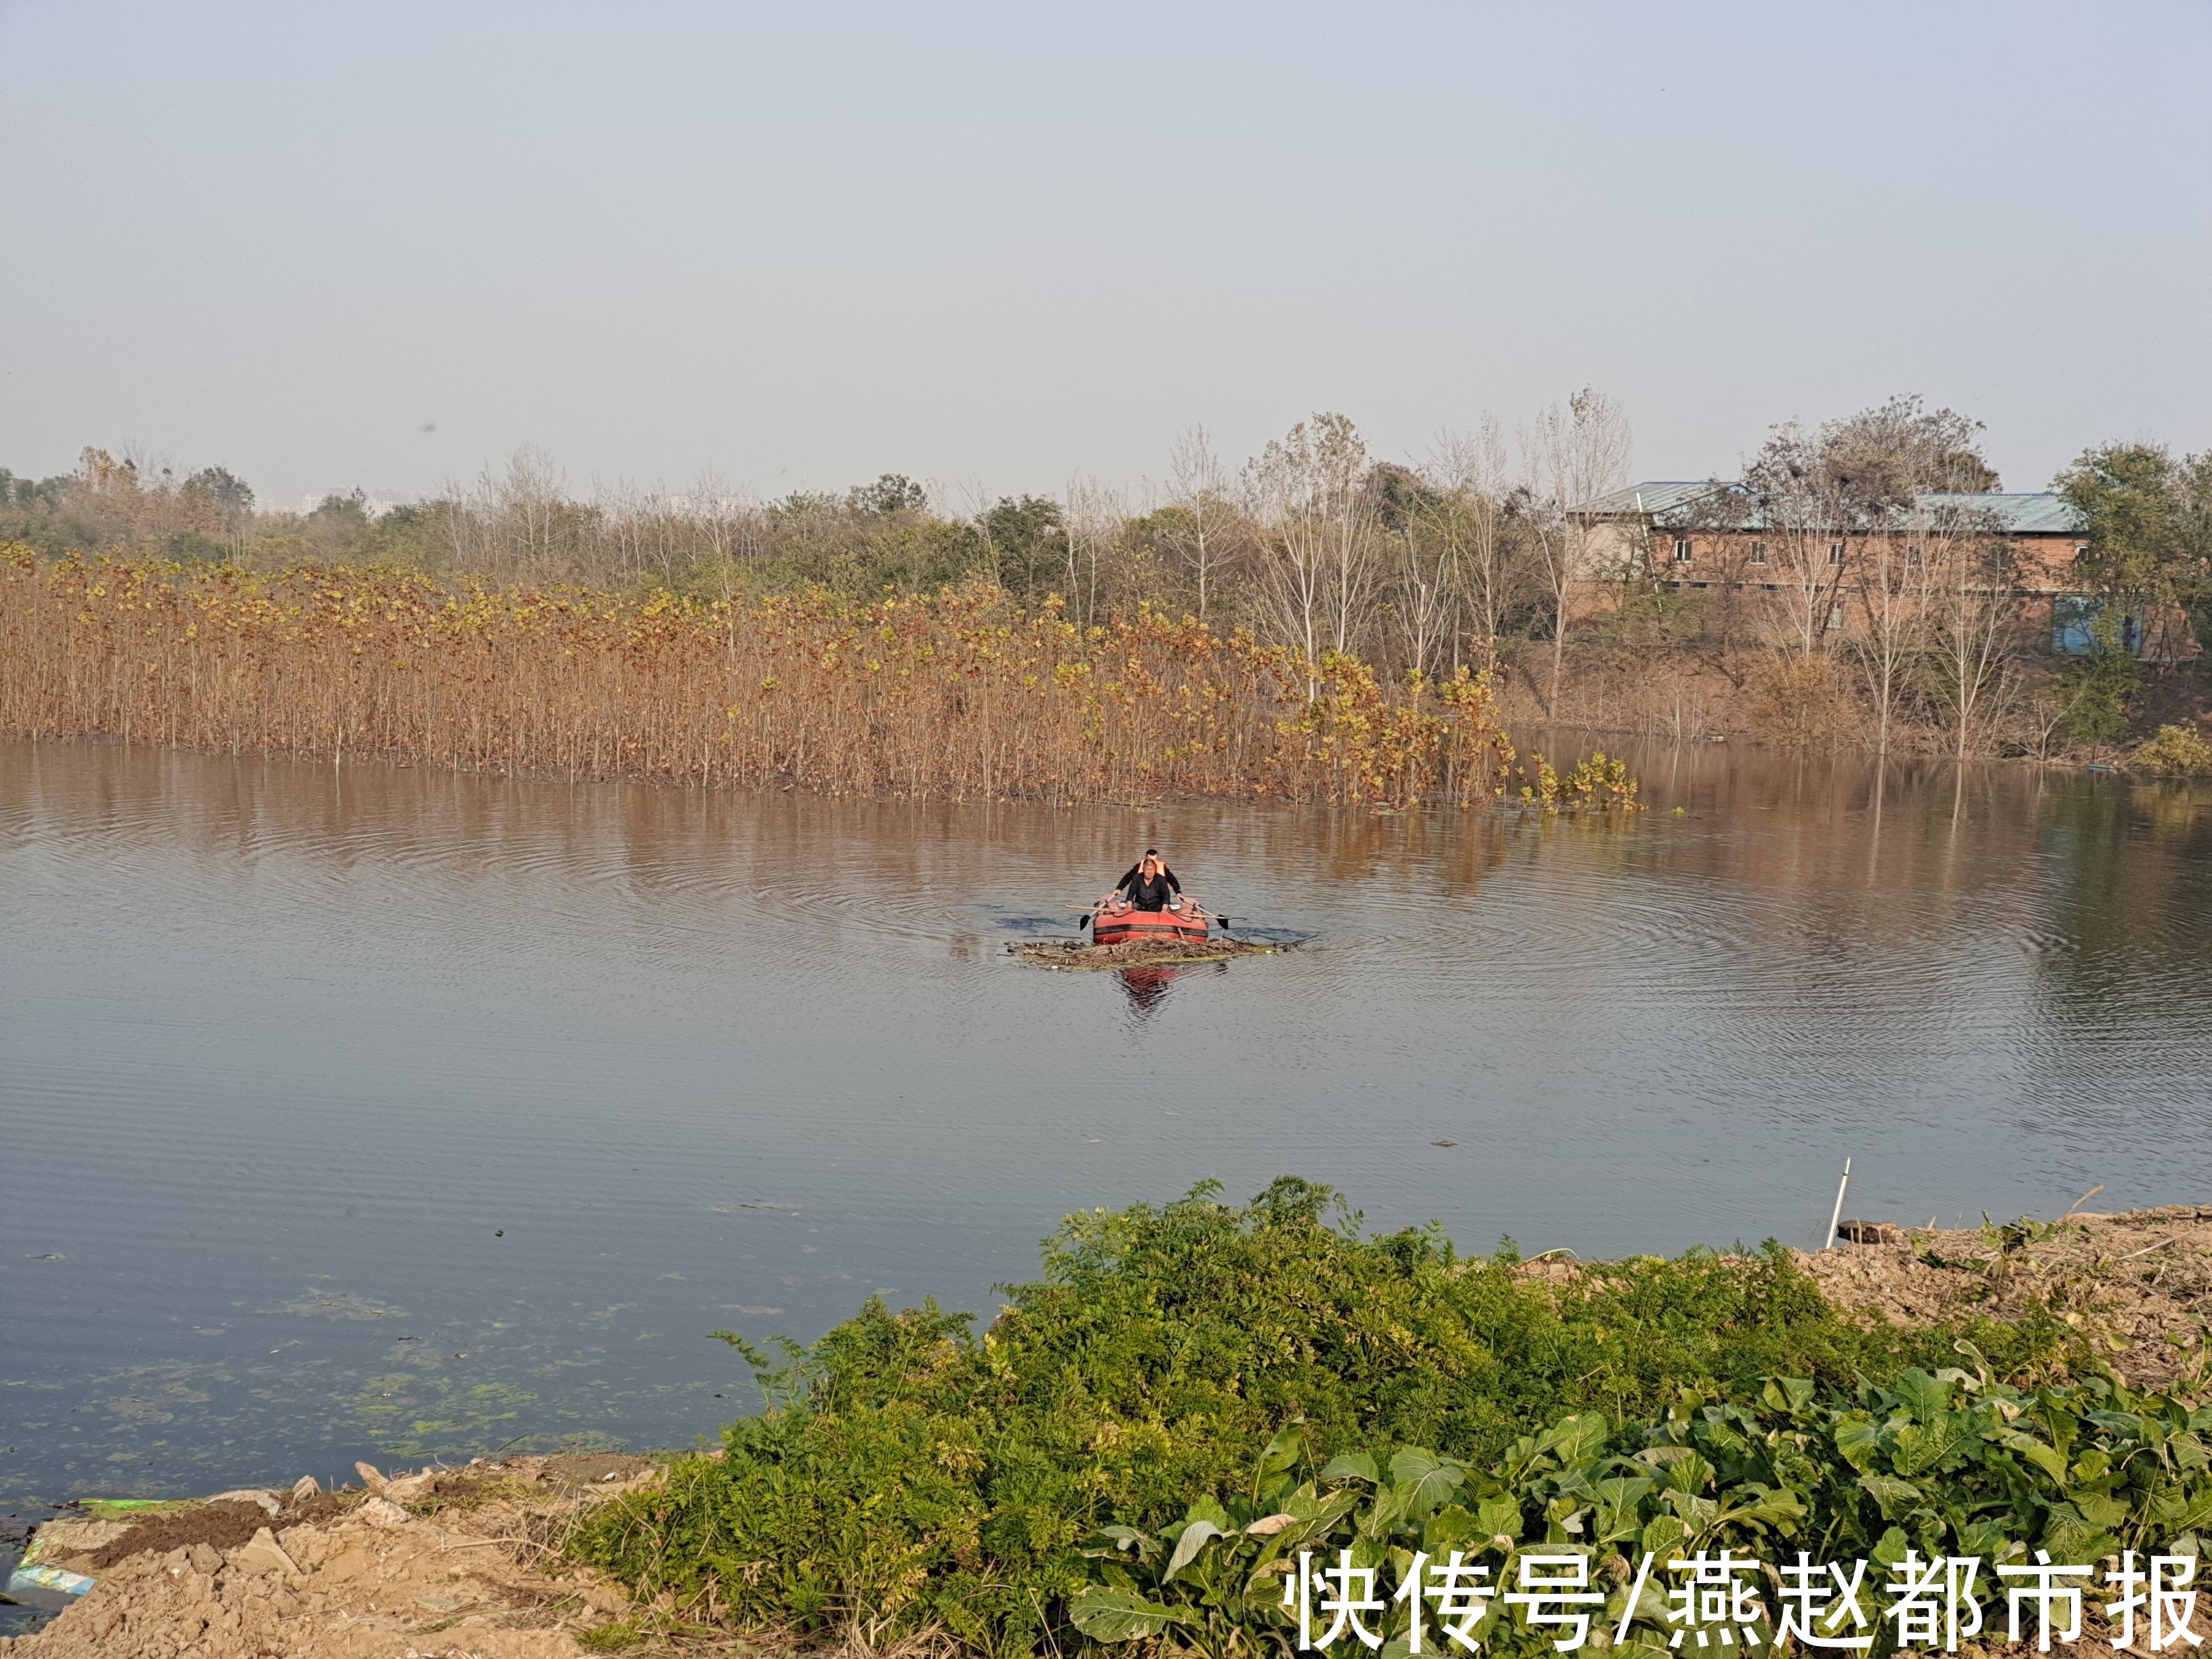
[(910, 1475)]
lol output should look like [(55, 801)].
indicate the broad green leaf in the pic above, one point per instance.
[(1925, 1396), (1452, 1527), (1315, 1519), (1982, 1539), (1664, 1534), (1924, 1446), (2045, 1458), (1195, 1536), (1206, 1508), (1689, 1473), (1697, 1513), (2126, 1426), (1352, 1466), (1112, 1616), (2070, 1536), (1499, 1516), (1764, 1506), (1891, 1494), (1426, 1480), (1281, 1453), (2100, 1510), (1579, 1438), (1127, 1540), (1387, 1509), (1617, 1498), (1787, 1394), (1889, 1549), (2196, 1511), (1859, 1439)]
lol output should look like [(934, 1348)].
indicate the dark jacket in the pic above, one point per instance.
[(1149, 893)]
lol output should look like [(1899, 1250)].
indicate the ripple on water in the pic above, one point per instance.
[(515, 1058)]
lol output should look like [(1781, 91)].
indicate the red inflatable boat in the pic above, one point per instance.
[(1117, 921)]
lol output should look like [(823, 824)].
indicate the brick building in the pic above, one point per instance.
[(1710, 535)]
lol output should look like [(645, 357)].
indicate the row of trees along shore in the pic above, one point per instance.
[(1471, 563)]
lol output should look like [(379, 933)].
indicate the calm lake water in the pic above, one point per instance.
[(386, 1113)]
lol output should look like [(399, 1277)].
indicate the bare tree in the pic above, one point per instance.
[(1853, 481), (1973, 606), (1092, 525), (1575, 454), (1204, 536), (1423, 529), (1803, 512), (1495, 578), (1895, 566), (1309, 496)]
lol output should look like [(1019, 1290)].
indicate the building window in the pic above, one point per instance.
[(1682, 549), (1758, 552), (1835, 552)]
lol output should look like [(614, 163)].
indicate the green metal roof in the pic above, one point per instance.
[(1674, 503)]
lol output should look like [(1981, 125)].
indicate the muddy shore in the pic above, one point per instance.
[(453, 1562), (468, 1562)]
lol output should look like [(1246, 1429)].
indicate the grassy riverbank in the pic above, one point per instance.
[(1193, 1393), (957, 694), (1093, 1466)]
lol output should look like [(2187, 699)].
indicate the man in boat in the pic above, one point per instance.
[(1149, 883)]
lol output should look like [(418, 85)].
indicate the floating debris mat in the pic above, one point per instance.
[(1137, 953)]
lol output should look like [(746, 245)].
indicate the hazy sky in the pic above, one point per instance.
[(993, 246)]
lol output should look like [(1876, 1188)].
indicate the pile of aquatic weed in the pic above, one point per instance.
[(910, 1476)]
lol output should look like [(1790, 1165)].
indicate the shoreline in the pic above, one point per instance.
[(473, 1556), (462, 1561)]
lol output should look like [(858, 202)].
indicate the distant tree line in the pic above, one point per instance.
[(1471, 556)]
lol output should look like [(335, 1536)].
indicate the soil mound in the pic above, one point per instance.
[(2138, 1285), (222, 1525), (468, 1563)]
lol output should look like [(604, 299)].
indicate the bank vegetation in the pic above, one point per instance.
[(955, 693), (1473, 558), (1144, 1440)]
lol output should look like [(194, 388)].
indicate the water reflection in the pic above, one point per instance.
[(1145, 988), (539, 1083)]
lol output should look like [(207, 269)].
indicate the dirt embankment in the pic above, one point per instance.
[(2138, 1285), (460, 1564)]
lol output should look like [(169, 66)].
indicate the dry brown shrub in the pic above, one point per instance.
[(1801, 702), (955, 694)]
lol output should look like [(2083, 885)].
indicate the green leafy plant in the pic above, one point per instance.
[(1951, 1462), (2176, 751), (911, 1475), (2096, 689)]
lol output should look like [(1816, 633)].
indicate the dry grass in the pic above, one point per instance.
[(956, 695), (2138, 1286)]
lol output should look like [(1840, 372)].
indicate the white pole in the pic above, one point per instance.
[(1838, 1212)]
